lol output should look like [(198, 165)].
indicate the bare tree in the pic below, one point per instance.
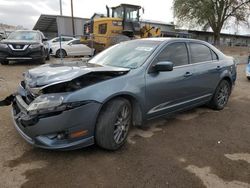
[(211, 13)]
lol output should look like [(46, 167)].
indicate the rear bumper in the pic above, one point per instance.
[(42, 131)]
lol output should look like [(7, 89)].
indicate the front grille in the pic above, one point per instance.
[(18, 46)]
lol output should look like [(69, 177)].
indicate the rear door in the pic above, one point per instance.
[(207, 67), (169, 91)]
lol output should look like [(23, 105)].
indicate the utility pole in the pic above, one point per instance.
[(60, 1), (72, 16)]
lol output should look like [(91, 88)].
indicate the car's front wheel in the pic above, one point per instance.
[(63, 55), (248, 77), (113, 124), (221, 95), (5, 62)]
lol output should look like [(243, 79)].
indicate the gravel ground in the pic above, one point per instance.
[(198, 148)]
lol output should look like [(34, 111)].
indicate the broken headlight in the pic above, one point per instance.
[(46, 104)]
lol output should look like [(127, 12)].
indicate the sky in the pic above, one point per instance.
[(27, 12)]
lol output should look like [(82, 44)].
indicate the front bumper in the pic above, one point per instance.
[(41, 131), (27, 54)]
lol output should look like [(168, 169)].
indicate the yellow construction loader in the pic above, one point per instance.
[(122, 25)]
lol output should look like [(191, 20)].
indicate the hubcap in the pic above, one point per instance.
[(223, 95), (122, 125)]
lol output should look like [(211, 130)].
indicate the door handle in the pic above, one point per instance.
[(188, 74)]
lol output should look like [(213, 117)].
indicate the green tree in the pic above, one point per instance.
[(211, 13)]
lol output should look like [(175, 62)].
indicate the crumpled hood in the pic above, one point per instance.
[(57, 73)]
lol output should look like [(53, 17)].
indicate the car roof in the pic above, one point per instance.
[(168, 39), (164, 40)]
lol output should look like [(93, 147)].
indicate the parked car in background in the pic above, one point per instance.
[(56, 41), (248, 69), (2, 35), (72, 105), (72, 48), (24, 45)]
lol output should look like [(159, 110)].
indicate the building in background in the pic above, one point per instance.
[(167, 29), (54, 25), (6, 29), (225, 39)]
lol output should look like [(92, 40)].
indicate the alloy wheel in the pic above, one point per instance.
[(122, 124)]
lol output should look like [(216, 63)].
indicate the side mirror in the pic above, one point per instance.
[(45, 39), (163, 66)]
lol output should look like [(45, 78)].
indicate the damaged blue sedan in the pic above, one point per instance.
[(73, 105)]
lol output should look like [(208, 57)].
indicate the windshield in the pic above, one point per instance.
[(24, 35), (132, 14), (130, 54)]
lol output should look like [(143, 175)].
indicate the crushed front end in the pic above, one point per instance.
[(49, 114), (46, 121), (45, 118)]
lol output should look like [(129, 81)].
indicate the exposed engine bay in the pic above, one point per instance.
[(61, 78)]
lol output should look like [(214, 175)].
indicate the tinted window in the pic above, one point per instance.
[(200, 53), (102, 28), (75, 42), (175, 53), (67, 39)]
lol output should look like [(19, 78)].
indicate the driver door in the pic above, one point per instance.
[(169, 91)]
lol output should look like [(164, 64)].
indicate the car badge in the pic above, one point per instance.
[(18, 47)]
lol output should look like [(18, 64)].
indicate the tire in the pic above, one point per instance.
[(113, 124), (221, 95), (48, 57), (64, 54), (42, 61), (248, 78), (5, 62)]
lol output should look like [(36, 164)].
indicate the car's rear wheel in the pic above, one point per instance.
[(113, 124), (221, 95), (58, 53), (5, 62)]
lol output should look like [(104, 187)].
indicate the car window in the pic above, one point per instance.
[(68, 39), (102, 28), (130, 54), (24, 35), (75, 42), (200, 53), (175, 53), (214, 55)]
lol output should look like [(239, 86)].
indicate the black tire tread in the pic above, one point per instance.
[(105, 123), (213, 103)]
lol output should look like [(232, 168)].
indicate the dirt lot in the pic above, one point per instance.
[(199, 148)]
